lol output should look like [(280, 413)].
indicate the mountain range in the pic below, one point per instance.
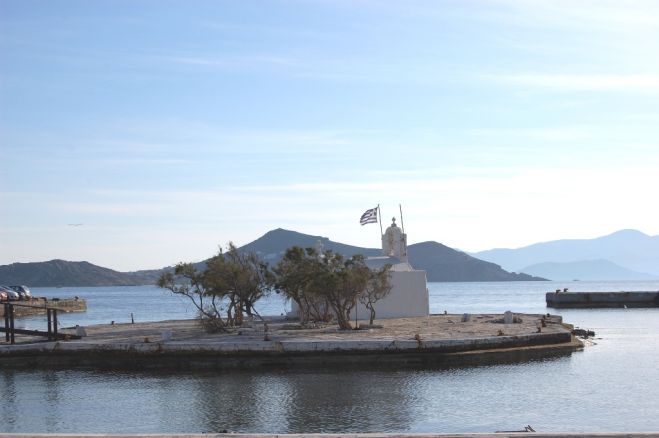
[(623, 255), (440, 262), (586, 270)]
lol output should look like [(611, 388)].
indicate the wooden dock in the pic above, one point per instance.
[(585, 300)]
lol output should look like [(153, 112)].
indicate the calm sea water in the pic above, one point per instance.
[(612, 385)]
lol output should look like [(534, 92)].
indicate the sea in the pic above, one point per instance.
[(610, 386)]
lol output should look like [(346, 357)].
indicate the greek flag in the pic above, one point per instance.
[(369, 217)]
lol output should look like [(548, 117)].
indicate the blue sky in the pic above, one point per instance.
[(167, 128)]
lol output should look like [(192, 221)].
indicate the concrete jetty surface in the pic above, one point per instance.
[(433, 340), (602, 299), (37, 306)]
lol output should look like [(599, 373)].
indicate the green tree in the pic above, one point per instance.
[(377, 287), (242, 278), (297, 276), (322, 283), (232, 281), (188, 282), (344, 280)]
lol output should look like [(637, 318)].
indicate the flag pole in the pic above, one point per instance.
[(380, 220), (402, 224)]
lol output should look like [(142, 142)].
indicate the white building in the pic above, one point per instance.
[(409, 292)]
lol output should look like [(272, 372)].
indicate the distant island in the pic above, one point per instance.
[(586, 270), (55, 273), (623, 255), (441, 263)]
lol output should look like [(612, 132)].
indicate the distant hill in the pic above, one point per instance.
[(629, 249), (440, 262), (598, 270), (64, 273), (273, 244)]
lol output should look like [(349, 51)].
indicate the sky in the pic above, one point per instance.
[(138, 134)]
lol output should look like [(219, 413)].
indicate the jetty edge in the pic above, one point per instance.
[(38, 305), (436, 340), (564, 299)]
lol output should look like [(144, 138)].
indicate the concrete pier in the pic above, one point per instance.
[(440, 340), (37, 306), (602, 299)]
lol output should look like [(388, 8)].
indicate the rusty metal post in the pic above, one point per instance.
[(12, 337), (49, 316), (55, 322), (7, 322)]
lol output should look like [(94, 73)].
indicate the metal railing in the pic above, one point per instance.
[(51, 314)]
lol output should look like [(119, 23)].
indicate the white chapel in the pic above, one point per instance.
[(409, 292)]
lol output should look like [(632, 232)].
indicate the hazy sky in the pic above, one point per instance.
[(167, 128)]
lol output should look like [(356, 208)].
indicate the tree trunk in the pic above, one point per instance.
[(341, 319), (302, 311), (344, 324)]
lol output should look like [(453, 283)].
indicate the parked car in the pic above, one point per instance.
[(23, 292), (11, 293)]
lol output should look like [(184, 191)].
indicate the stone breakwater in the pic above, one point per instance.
[(602, 299), (37, 306), (436, 340)]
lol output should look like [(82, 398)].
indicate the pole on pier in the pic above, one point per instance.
[(49, 316), (7, 322), (55, 323), (12, 337)]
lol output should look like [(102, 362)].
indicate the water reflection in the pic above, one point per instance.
[(303, 402), (51, 400), (610, 386), (8, 398)]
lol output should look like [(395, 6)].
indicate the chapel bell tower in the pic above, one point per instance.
[(394, 242)]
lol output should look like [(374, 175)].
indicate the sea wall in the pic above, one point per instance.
[(602, 299), (289, 354)]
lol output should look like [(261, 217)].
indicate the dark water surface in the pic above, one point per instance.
[(612, 385)]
